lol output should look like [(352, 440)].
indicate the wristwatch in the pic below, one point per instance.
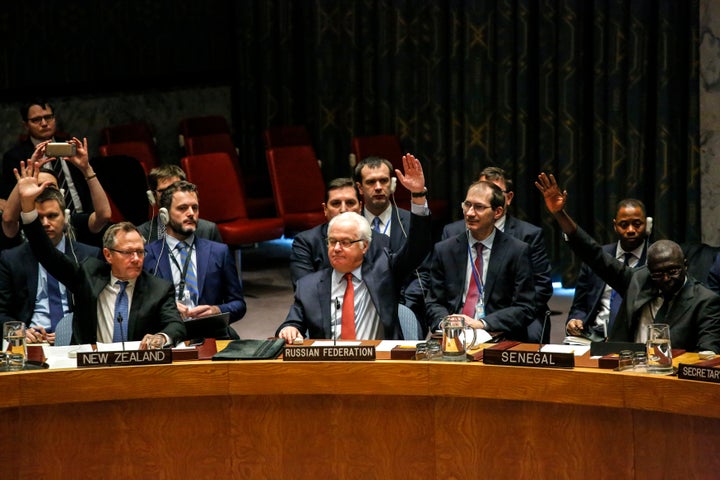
[(419, 194)]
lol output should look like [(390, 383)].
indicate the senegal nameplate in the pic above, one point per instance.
[(345, 353), (124, 358), (528, 359)]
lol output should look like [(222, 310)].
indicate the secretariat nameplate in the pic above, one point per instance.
[(528, 359), (355, 353), (126, 357), (699, 372)]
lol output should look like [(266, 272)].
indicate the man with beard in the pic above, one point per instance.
[(203, 272), (660, 292)]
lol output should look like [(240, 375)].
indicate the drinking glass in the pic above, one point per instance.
[(14, 344)]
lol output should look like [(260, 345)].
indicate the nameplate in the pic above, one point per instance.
[(699, 372), (528, 359), (124, 358), (345, 353)]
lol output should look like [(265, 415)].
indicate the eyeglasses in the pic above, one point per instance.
[(129, 253), (478, 207), (670, 272), (331, 242), (48, 118)]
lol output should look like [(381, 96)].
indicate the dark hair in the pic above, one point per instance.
[(34, 101), (497, 199), (370, 162), (50, 194), (631, 202), (496, 173), (342, 182), (165, 171), (181, 186)]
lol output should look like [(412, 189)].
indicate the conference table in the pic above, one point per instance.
[(385, 419)]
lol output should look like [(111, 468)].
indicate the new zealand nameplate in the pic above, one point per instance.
[(124, 358)]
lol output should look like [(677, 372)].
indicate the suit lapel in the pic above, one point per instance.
[(497, 260), (324, 287), (202, 260)]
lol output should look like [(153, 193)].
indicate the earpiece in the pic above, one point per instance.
[(150, 197), (163, 216), (393, 184), (648, 225)]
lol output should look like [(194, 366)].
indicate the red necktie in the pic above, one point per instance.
[(348, 310), (473, 294)]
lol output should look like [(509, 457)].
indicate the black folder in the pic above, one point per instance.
[(251, 350)]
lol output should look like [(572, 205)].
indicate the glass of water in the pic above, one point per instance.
[(14, 344), (659, 349)]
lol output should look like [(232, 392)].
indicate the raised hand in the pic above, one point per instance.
[(555, 199), (413, 179), (27, 181)]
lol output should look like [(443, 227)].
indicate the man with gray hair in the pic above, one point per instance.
[(358, 293)]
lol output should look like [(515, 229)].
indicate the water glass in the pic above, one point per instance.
[(625, 360), (659, 349), (640, 362), (14, 344)]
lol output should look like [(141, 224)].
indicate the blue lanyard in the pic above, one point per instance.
[(476, 273)]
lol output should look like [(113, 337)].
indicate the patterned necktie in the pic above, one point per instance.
[(616, 299), (376, 224), (473, 294), (348, 309), (62, 184), (190, 279), (120, 320), (54, 301)]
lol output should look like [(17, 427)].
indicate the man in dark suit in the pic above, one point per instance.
[(26, 288), (595, 303), (205, 277), (539, 329), (115, 300), (369, 289), (159, 179), (40, 123), (660, 292), (309, 248), (482, 273)]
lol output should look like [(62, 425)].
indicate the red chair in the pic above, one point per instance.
[(129, 132), (223, 200), (286, 136), (140, 151), (298, 186), (198, 126), (387, 147)]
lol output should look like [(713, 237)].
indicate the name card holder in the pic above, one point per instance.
[(518, 358), (342, 353), (124, 358), (707, 371)]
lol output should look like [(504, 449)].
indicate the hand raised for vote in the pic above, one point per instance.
[(555, 199), (413, 179), (27, 182)]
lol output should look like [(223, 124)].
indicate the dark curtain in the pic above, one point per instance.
[(601, 93)]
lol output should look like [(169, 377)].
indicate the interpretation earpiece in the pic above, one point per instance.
[(393, 184), (648, 225), (163, 216), (67, 220), (150, 197)]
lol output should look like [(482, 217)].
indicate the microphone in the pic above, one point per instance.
[(542, 332), (122, 337), (334, 329)]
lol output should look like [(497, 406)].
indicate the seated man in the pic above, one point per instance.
[(482, 273), (159, 179), (309, 248), (27, 292), (203, 272), (369, 289), (660, 292), (115, 300)]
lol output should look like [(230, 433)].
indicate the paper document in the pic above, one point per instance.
[(578, 350)]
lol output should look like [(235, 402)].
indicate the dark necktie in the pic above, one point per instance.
[(190, 279), (348, 309), (120, 320), (473, 294), (376, 224), (616, 299), (54, 301)]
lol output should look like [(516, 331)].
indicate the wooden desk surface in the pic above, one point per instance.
[(383, 419)]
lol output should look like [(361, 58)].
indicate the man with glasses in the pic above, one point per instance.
[(115, 300), (159, 179), (660, 292), (539, 329), (357, 297), (203, 272), (39, 121), (482, 273)]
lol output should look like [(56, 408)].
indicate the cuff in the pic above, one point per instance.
[(29, 217)]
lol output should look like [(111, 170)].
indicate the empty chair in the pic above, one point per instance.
[(140, 151), (198, 126), (215, 142), (298, 186), (125, 184), (223, 200), (286, 136), (129, 132)]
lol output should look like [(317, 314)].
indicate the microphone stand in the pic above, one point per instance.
[(122, 337), (334, 329)]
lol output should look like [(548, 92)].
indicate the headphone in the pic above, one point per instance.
[(393, 185), (648, 225), (163, 216), (150, 197), (70, 233)]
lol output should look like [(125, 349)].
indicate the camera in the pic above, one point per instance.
[(60, 149)]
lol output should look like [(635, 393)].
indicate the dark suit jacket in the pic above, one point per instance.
[(218, 281), (23, 151), (310, 312), (399, 227), (153, 308), (533, 236), (713, 277), (205, 229), (589, 290), (19, 279), (694, 314), (509, 292), (309, 251)]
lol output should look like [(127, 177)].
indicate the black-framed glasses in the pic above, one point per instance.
[(331, 242), (129, 253), (478, 207), (48, 118), (670, 272)]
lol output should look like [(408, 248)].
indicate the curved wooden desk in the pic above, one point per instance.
[(269, 419)]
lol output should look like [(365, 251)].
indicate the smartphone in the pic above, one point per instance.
[(60, 149)]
